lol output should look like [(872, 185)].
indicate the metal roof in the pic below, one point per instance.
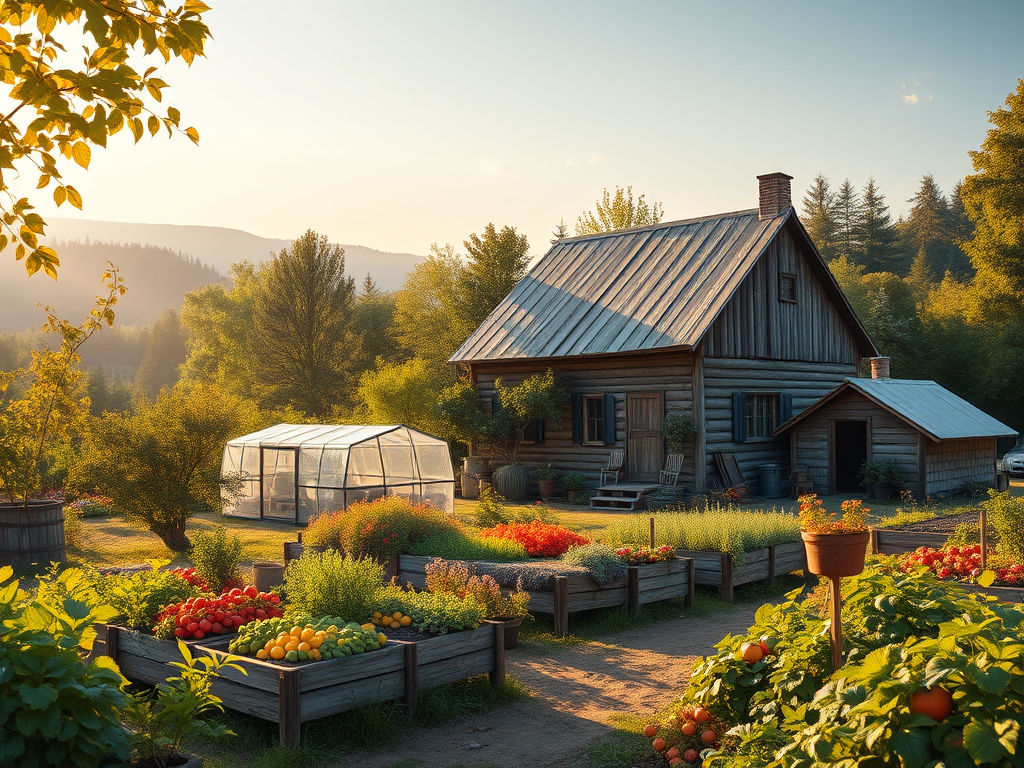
[(648, 288), (330, 435), (925, 405)]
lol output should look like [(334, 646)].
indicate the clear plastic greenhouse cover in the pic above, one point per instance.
[(290, 472)]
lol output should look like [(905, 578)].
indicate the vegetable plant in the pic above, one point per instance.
[(645, 555), (434, 613), (139, 597), (198, 617), (1006, 514)]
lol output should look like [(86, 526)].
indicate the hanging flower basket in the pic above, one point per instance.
[(835, 555)]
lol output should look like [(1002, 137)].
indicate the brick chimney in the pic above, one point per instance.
[(775, 196), (879, 367)]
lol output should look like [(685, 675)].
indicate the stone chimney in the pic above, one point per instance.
[(775, 196), (879, 367)]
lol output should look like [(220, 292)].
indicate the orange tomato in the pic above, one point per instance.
[(277, 652)]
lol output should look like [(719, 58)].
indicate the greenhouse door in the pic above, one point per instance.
[(278, 469)]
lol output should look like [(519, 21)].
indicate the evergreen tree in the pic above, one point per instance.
[(926, 229), (497, 261), (920, 278), (819, 217), (375, 324), (303, 348), (618, 212), (166, 352), (560, 231), (961, 230), (877, 236), (849, 218), (896, 332), (106, 395)]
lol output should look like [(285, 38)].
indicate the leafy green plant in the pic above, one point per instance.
[(490, 508), (600, 560), (544, 473), (1006, 513), (331, 584), (381, 529), (138, 597), (965, 534), (455, 578), (881, 473), (72, 527), (324, 530), (540, 396), (904, 517), (461, 545), (573, 481), (161, 721), (677, 430), (217, 557), (438, 613), (55, 708)]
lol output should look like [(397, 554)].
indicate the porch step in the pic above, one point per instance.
[(617, 503)]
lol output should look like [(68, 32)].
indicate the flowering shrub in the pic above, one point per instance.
[(814, 518), (961, 564), (93, 506), (645, 555), (539, 538), (455, 578), (324, 529), (381, 529)]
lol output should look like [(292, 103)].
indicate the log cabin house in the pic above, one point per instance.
[(733, 320)]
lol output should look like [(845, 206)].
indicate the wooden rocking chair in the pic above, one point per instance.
[(615, 460), (673, 468)]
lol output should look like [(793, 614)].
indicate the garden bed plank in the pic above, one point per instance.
[(457, 643), (456, 668), (325, 701), (892, 541), (718, 569)]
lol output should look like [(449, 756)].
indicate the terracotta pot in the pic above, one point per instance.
[(512, 631), (835, 554), (572, 494), (546, 488)]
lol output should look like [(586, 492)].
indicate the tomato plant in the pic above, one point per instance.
[(198, 617)]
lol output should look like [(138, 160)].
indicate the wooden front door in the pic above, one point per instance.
[(645, 447)]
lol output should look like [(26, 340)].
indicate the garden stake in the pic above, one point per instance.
[(652, 533), (836, 631), (984, 547)]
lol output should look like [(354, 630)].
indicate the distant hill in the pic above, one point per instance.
[(221, 247)]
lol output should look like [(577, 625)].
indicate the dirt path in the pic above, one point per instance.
[(577, 689)]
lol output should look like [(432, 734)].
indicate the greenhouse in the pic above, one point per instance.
[(290, 472)]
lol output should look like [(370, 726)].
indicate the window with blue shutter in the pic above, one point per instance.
[(739, 417), (608, 417)]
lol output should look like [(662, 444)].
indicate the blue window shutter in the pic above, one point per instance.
[(608, 418), (739, 417), (785, 407), (538, 431), (576, 403)]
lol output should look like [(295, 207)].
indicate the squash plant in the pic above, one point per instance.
[(55, 708)]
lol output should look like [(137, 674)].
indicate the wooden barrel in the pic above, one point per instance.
[(512, 481), (32, 534)]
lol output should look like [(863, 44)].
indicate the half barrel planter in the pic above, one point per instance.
[(32, 534), (575, 593), (293, 694), (719, 569)]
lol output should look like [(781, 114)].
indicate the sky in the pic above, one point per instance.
[(398, 124)]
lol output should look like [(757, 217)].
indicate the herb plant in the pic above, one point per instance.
[(217, 558), (455, 578), (490, 508), (601, 561), (138, 597), (331, 584), (461, 545)]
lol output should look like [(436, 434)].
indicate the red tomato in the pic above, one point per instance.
[(218, 616), (701, 715), (708, 737), (690, 755), (935, 702), (198, 634), (181, 632), (251, 591), (229, 622), (200, 602), (217, 628), (205, 625), (260, 613), (192, 628)]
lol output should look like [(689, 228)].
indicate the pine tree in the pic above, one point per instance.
[(877, 236), (849, 216), (496, 262), (374, 321), (165, 354), (961, 230), (560, 231), (920, 277), (819, 217), (618, 212), (926, 229), (303, 348)]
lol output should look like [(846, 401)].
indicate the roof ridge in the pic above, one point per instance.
[(660, 225)]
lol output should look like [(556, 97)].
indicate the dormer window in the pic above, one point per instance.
[(787, 287)]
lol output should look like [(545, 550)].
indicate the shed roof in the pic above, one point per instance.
[(330, 435), (648, 288), (925, 405)]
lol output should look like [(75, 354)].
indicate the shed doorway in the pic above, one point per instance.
[(645, 448), (849, 452)]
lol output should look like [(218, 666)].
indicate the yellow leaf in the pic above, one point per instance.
[(82, 154), (43, 181), (136, 125), (59, 196), (153, 124), (74, 198), (194, 6), (193, 134), (3, 242)]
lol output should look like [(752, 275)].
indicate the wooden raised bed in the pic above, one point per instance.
[(290, 694), (574, 593), (893, 541), (719, 569), (1004, 594)]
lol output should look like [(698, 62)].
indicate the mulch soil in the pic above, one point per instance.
[(946, 524)]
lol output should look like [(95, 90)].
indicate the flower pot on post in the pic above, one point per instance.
[(835, 555)]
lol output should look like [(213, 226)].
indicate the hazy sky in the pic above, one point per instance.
[(397, 124)]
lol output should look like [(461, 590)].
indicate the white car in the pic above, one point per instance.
[(1013, 462)]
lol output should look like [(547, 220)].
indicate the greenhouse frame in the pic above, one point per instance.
[(291, 472)]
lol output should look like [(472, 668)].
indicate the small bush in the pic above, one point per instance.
[(332, 584), (539, 538), (455, 578), (216, 557), (964, 535), (460, 545), (93, 506), (381, 529), (438, 613), (881, 472), (903, 517), (1006, 513), (139, 597), (602, 563), (490, 509), (72, 527), (677, 430), (324, 530)]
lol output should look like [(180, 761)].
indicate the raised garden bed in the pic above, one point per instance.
[(926, 533), (290, 694), (1003, 594), (719, 569), (574, 593)]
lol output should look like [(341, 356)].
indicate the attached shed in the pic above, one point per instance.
[(939, 440)]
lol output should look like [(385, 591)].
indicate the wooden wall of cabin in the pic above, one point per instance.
[(756, 323), (889, 438), (805, 382), (951, 463), (670, 377)]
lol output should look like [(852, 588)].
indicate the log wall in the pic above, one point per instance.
[(951, 463)]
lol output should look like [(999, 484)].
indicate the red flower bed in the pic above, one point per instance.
[(960, 563), (538, 538), (645, 555)]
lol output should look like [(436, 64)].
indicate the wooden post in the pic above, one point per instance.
[(561, 608), (873, 541), (652, 533), (498, 674), (113, 641), (982, 524), (726, 590), (633, 591), (836, 631), (412, 685), (771, 564), (290, 714), (691, 587), (300, 537)]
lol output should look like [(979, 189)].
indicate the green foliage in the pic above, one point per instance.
[(573, 481), (374, 322), (455, 578), (964, 535), (42, 406), (544, 472), (217, 557), (381, 529), (677, 430), (403, 393), (618, 212), (494, 264), (819, 216), (490, 508), (540, 396), (138, 597), (331, 584), (714, 528), (904, 517), (70, 110), (162, 465), (1006, 513), (165, 353), (55, 709), (600, 560), (163, 720), (426, 308), (324, 530), (302, 346), (881, 472), (72, 527), (435, 613), (459, 545)]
